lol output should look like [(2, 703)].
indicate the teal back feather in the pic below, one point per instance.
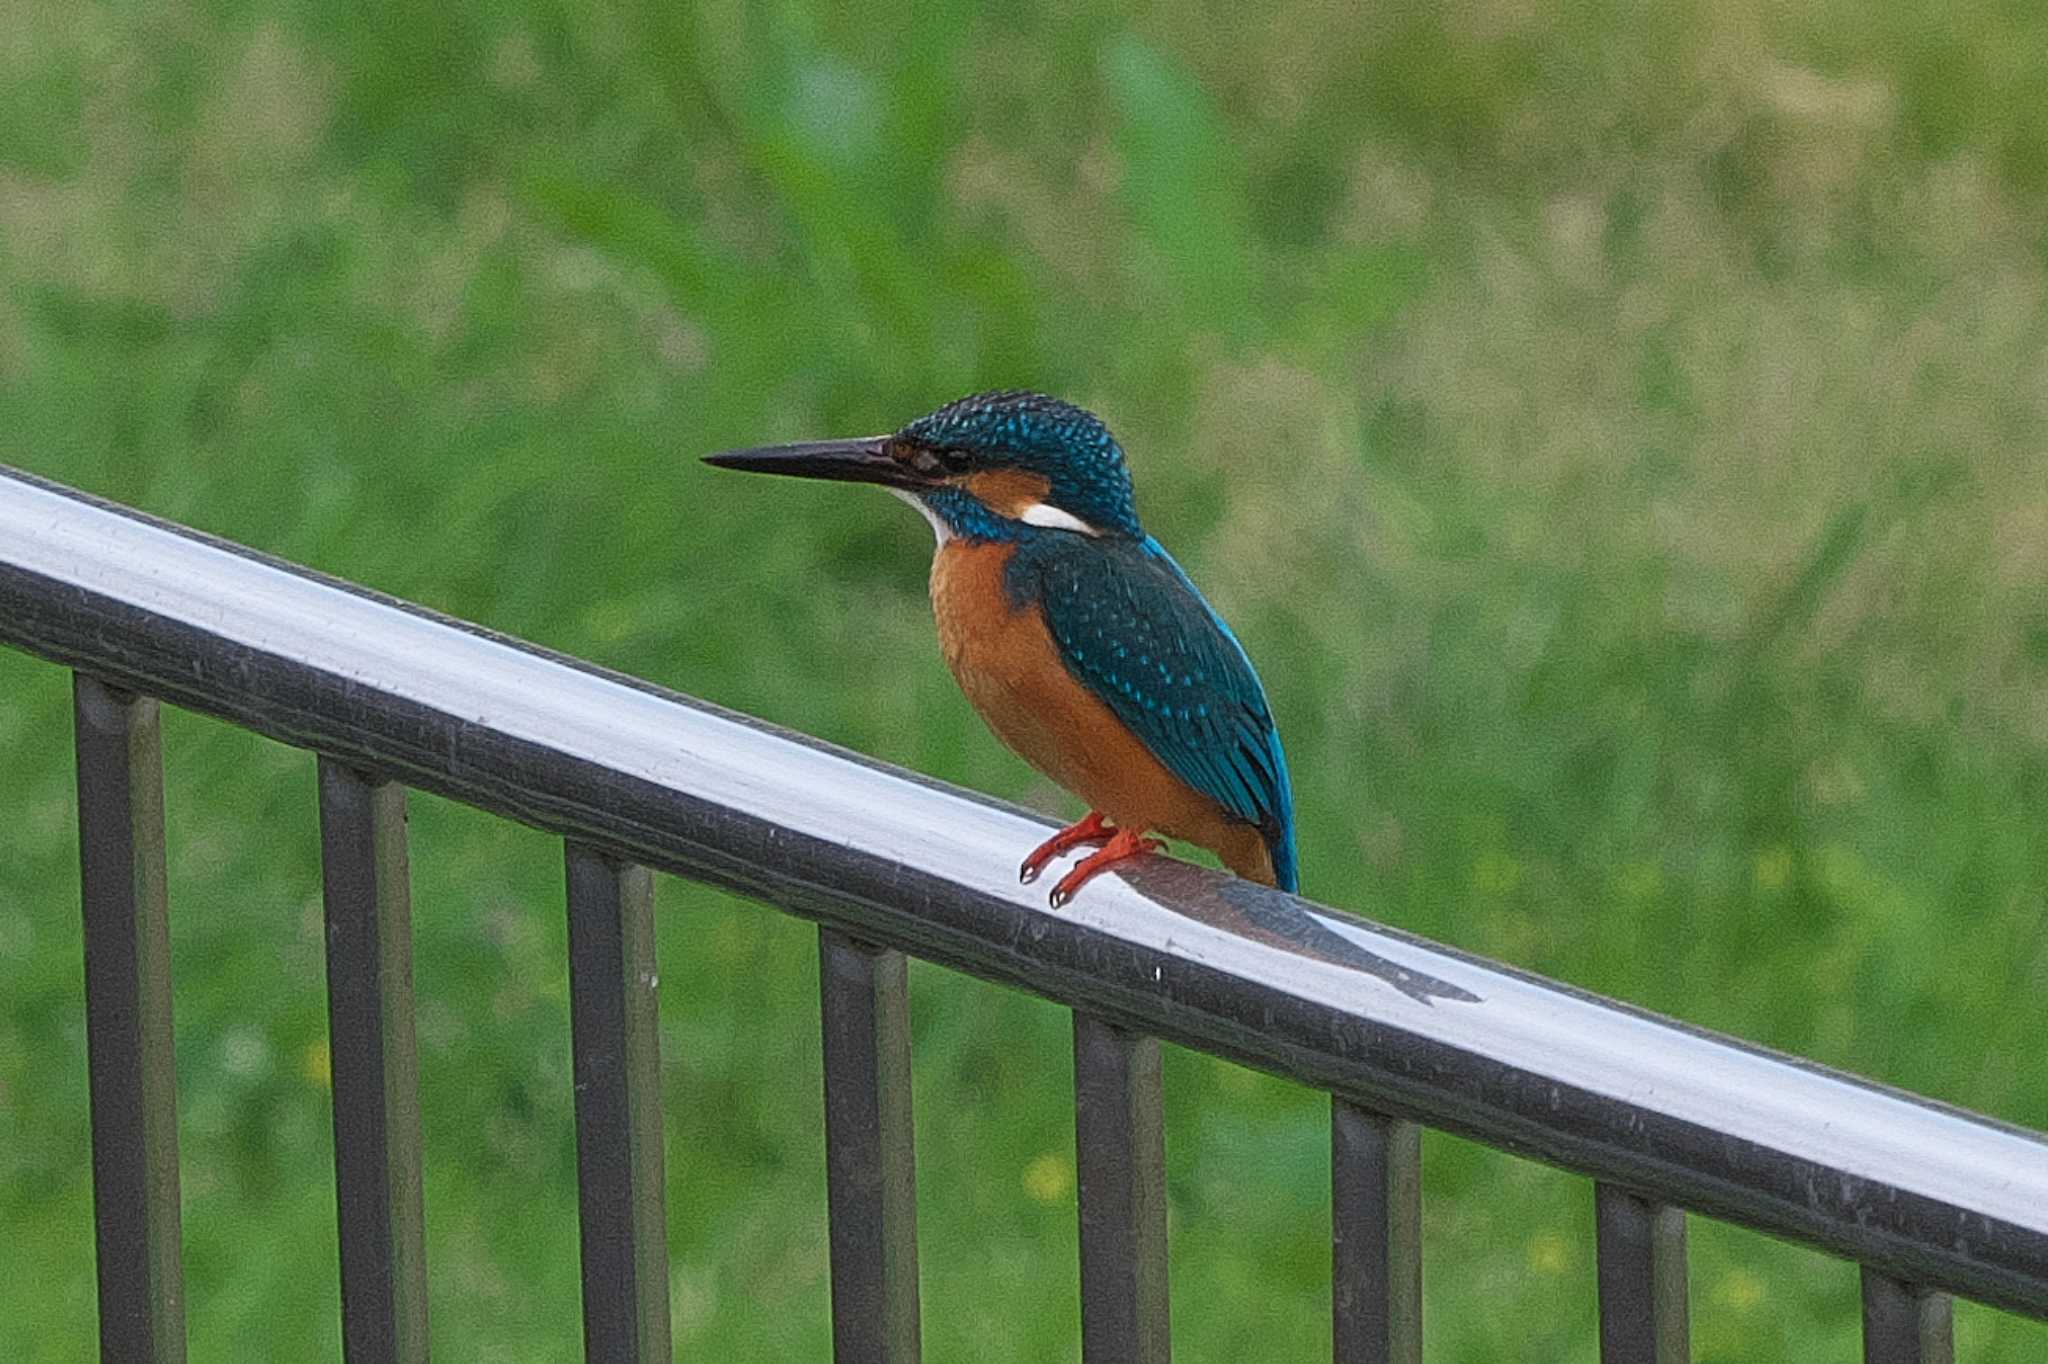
[(1132, 628), (1128, 623)]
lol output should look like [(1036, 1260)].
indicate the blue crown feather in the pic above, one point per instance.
[(1127, 621), (1070, 448)]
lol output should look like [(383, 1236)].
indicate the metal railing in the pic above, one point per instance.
[(1402, 1033)]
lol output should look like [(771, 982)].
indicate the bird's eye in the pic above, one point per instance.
[(955, 460)]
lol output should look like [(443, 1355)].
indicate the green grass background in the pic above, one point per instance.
[(1619, 432)]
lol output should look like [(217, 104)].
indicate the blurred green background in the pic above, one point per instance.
[(1618, 431)]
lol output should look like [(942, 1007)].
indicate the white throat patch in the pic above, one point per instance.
[(940, 530), (1042, 514)]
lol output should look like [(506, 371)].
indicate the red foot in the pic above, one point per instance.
[(1122, 847), (1093, 829)]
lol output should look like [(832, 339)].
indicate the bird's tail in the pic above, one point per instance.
[(1280, 851), (1256, 857)]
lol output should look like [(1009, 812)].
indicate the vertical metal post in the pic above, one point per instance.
[(1905, 1324), (617, 1062), (870, 1162), (1376, 1236), (128, 1023), (1641, 1247), (374, 1065), (1120, 1166)]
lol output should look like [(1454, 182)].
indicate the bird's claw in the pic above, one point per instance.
[(1122, 847), (1093, 829)]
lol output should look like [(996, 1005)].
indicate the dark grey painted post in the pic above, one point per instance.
[(1376, 1236), (128, 1023), (617, 1062), (1641, 1247), (375, 1068), (1120, 1160), (870, 1161), (1905, 1324)]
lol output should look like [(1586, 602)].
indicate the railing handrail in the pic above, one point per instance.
[(1933, 1195)]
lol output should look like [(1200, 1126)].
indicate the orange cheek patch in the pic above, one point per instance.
[(1007, 492)]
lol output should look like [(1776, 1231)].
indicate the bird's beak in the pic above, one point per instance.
[(865, 460)]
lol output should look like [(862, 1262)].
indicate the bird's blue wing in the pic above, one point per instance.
[(1131, 626)]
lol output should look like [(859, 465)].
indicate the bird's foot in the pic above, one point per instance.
[(1122, 847), (1092, 830)]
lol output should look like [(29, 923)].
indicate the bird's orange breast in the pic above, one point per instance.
[(1006, 661)]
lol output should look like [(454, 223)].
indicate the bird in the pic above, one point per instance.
[(1073, 632)]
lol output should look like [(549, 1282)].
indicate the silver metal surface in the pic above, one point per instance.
[(1931, 1195)]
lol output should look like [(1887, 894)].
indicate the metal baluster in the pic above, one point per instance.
[(1641, 1248), (374, 1065), (1905, 1324), (1120, 1160), (128, 1023), (870, 1161), (617, 1060), (1376, 1236)]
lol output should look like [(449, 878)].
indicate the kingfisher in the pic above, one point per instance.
[(1080, 641)]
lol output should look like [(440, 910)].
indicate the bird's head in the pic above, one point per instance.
[(992, 466)]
